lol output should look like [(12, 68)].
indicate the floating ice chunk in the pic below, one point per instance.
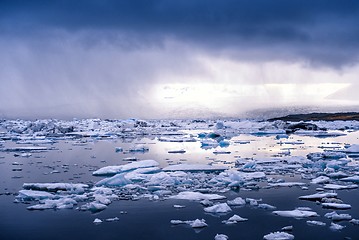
[(221, 237), (339, 187), (234, 219), (179, 206), (206, 202), (278, 236), (197, 196), (336, 227), (352, 149), (162, 179), (338, 217), (112, 170), (34, 195), (319, 180), (316, 223), (194, 167), (198, 223), (338, 174), (102, 199), (354, 221), (209, 143), (318, 196), (54, 187), (287, 228), (286, 184), (218, 208), (238, 201), (252, 202), (336, 205), (62, 203), (26, 155), (296, 213), (93, 207), (139, 148), (249, 165), (97, 221), (266, 206), (117, 180), (351, 179), (115, 219)]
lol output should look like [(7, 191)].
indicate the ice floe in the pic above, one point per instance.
[(218, 208), (234, 219), (198, 223), (336, 205), (221, 237), (296, 213), (197, 196), (112, 170), (278, 236)]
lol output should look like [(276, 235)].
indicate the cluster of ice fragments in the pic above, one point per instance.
[(331, 171)]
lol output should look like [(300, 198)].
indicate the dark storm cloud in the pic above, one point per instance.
[(322, 31)]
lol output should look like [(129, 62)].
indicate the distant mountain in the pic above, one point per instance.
[(348, 116)]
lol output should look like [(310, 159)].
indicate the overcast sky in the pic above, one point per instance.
[(162, 58)]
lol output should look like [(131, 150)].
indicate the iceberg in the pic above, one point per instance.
[(198, 223), (97, 221), (350, 179), (93, 207), (117, 180), (54, 187), (26, 195), (338, 217), (318, 196), (62, 203), (234, 219), (296, 213), (218, 208), (112, 170), (339, 187), (336, 227), (278, 236), (336, 205), (221, 237), (238, 201), (316, 223), (197, 196), (319, 180)]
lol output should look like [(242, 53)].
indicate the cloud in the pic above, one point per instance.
[(320, 32), (106, 58)]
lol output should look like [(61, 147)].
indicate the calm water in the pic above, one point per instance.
[(71, 161)]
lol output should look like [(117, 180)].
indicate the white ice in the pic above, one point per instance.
[(296, 213), (218, 208), (112, 170), (197, 196), (278, 236)]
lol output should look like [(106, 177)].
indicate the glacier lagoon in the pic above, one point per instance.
[(51, 187)]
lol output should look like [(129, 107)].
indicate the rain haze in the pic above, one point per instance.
[(163, 59)]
